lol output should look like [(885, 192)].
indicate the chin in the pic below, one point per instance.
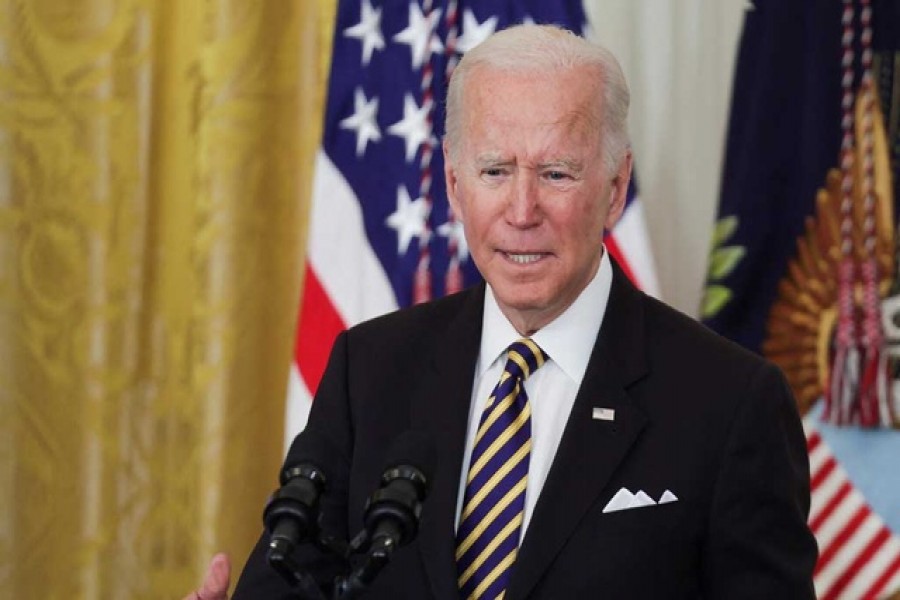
[(523, 300)]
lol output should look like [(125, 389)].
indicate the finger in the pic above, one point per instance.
[(218, 575)]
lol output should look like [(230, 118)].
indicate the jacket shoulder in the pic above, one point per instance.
[(694, 346), (425, 320)]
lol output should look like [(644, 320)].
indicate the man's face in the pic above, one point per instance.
[(530, 187)]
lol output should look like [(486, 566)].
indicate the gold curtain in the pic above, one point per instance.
[(155, 164)]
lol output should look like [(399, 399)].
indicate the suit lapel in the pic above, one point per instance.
[(441, 409), (590, 449)]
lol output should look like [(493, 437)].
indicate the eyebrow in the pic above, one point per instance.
[(494, 160), (567, 163)]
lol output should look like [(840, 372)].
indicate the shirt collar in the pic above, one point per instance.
[(567, 340)]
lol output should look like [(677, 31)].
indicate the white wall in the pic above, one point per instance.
[(678, 57)]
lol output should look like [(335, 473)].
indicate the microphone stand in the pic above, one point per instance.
[(377, 557), (279, 556), (347, 587)]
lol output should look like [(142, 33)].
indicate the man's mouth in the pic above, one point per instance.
[(522, 258)]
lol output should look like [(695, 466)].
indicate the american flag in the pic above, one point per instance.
[(381, 234), (859, 556)]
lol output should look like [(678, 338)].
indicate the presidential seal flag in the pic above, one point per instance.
[(804, 269), (381, 234)]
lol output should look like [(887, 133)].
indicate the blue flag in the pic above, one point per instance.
[(803, 265)]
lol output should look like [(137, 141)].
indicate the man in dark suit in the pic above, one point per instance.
[(647, 458)]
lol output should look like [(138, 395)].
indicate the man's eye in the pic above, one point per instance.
[(494, 172), (557, 176)]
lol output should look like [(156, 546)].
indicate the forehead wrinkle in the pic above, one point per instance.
[(580, 123), (550, 152)]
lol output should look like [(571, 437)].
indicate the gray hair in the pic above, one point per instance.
[(546, 48)]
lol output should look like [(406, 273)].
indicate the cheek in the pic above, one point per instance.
[(581, 222), (476, 213), (478, 229)]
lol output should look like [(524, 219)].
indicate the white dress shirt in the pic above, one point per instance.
[(567, 341)]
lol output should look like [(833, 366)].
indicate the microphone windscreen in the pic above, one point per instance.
[(313, 447), (415, 449)]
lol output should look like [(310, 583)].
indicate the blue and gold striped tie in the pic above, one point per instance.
[(490, 524)]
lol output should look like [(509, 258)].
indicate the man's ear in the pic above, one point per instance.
[(451, 179), (618, 190)]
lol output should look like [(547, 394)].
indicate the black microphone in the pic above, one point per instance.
[(292, 514), (392, 512), (391, 515)]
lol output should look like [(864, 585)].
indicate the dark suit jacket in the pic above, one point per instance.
[(694, 414)]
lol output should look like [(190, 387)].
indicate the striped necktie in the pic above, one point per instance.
[(490, 524)]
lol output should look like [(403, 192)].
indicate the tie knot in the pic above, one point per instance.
[(524, 358)]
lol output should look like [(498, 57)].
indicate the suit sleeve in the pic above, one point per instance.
[(330, 415), (759, 544)]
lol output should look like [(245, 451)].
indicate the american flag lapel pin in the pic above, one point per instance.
[(603, 414)]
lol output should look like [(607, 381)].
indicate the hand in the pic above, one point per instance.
[(215, 584)]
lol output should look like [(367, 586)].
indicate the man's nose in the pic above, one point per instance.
[(524, 204)]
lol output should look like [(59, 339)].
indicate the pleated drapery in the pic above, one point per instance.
[(155, 165)]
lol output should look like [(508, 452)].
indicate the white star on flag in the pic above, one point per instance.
[(362, 121), (409, 219), (414, 127), (454, 232), (473, 32), (419, 34), (368, 31)]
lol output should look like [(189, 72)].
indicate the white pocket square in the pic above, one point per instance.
[(624, 499)]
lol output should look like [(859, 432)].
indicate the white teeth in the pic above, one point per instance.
[(524, 259)]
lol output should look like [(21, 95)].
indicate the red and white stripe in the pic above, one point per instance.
[(344, 284), (859, 557), (629, 244)]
